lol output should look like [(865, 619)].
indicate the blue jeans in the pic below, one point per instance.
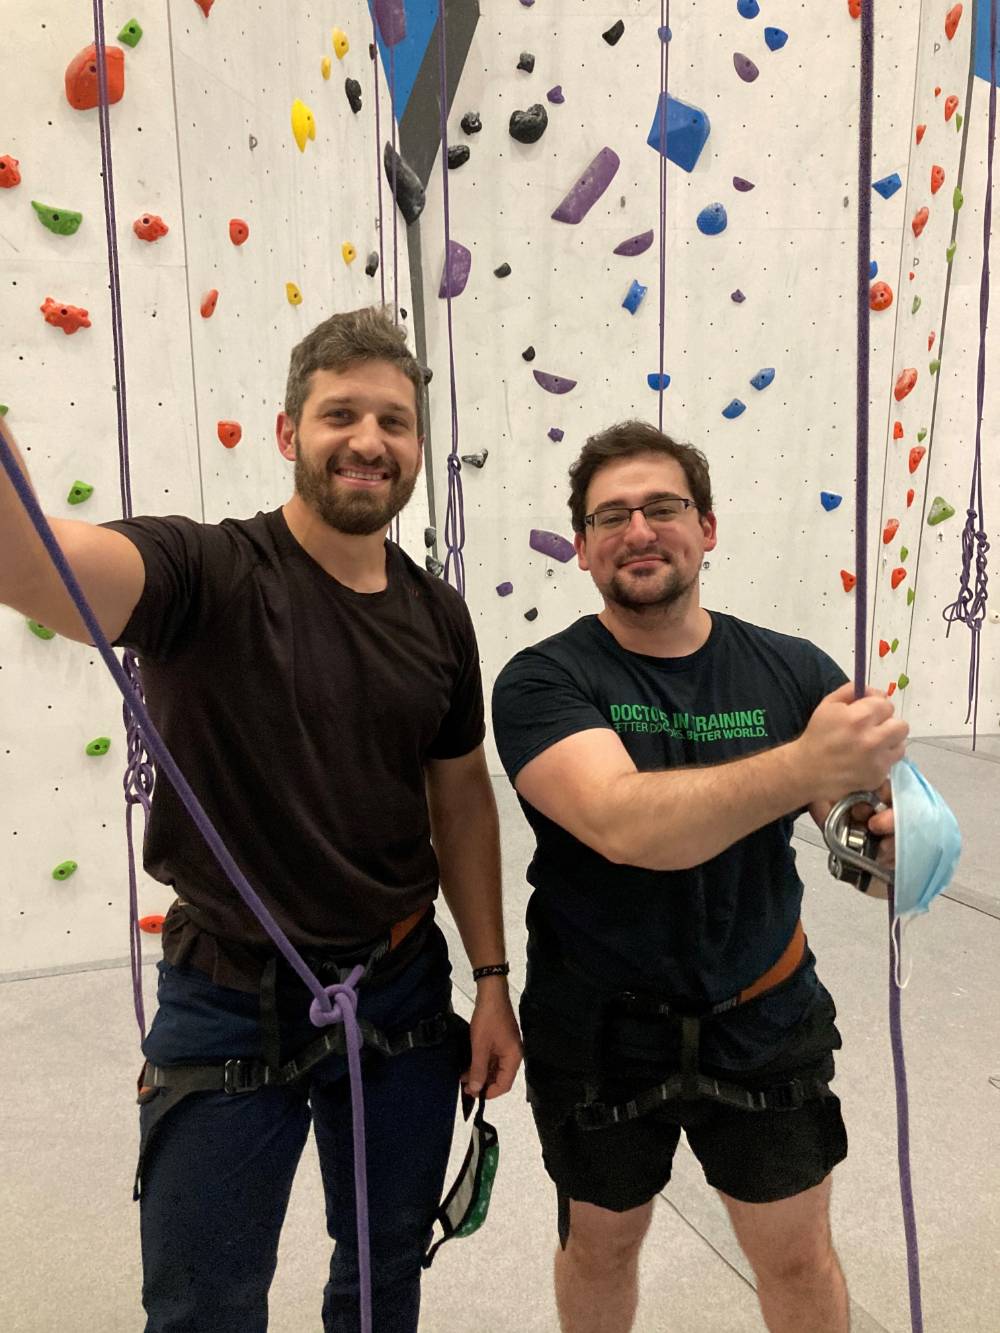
[(218, 1170)]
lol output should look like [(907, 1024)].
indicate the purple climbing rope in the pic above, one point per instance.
[(395, 211), (860, 630), (969, 606), (454, 523), (662, 103), (378, 162)]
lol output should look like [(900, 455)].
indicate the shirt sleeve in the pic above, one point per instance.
[(464, 725), (537, 702)]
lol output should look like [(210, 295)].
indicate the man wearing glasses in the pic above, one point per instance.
[(661, 753)]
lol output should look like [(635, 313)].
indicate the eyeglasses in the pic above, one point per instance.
[(657, 513)]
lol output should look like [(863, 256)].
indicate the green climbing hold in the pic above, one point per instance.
[(950, 252), (62, 221), (910, 594), (79, 492), (40, 630), (101, 746), (921, 434), (894, 645), (131, 34), (940, 510), (958, 122), (935, 366), (903, 681), (916, 305), (3, 409), (957, 199), (904, 551), (64, 870)]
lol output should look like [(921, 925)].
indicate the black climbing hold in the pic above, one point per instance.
[(371, 267), (532, 614), (409, 193), (476, 460), (529, 126), (430, 537), (471, 124), (528, 354), (527, 62), (353, 90), (426, 374), (614, 33), (458, 155), (433, 567), (402, 313), (502, 272)]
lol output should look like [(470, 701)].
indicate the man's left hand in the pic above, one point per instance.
[(496, 1043)]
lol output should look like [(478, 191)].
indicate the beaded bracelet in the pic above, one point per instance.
[(494, 970)]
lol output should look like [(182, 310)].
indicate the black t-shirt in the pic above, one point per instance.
[(302, 714), (697, 935)]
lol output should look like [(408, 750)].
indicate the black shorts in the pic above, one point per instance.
[(753, 1156)]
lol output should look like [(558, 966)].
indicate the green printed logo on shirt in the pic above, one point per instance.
[(648, 720)]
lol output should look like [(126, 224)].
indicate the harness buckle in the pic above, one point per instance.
[(239, 1076)]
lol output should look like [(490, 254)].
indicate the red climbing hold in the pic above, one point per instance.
[(897, 430), (937, 178), (238, 231), (152, 925), (9, 174), (930, 339), (150, 227), (205, 6), (848, 580), (951, 21), (880, 296), (82, 91), (890, 530), (909, 497), (921, 131), (209, 304), (920, 220), (950, 106), (898, 575), (905, 382), (69, 318), (230, 433), (891, 688), (916, 456), (937, 91), (883, 647), (854, 8)]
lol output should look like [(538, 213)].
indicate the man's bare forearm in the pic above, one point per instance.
[(466, 839), (24, 556)]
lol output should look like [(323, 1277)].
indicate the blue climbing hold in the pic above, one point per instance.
[(735, 409), (658, 381), (829, 501), (763, 377), (687, 129), (775, 38), (712, 219), (872, 270), (747, 9), (633, 298), (888, 185)]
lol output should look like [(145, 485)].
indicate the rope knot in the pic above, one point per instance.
[(454, 463)]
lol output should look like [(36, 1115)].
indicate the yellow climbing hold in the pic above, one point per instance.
[(293, 294), (303, 124), (340, 43), (349, 252), (325, 66)]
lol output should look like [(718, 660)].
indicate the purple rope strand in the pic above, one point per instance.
[(664, 67), (378, 164), (395, 211)]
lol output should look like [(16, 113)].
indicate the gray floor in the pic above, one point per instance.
[(68, 1233)]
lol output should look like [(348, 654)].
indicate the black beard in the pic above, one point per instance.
[(357, 514), (639, 600)]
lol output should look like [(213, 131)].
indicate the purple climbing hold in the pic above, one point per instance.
[(551, 544), (741, 184), (555, 434), (664, 34), (635, 245), (505, 589), (553, 383), (390, 15), (527, 3), (456, 271), (737, 296), (745, 67), (588, 189), (555, 95)]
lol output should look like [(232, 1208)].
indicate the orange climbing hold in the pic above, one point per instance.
[(904, 384), (897, 430), (230, 433), (848, 580), (69, 318), (883, 647), (891, 688), (205, 6), (916, 456), (898, 575), (909, 497), (150, 227), (238, 231), (937, 178), (890, 530), (930, 339), (854, 8), (920, 220), (9, 174), (950, 106), (82, 91), (951, 21), (937, 91), (152, 925), (921, 131), (209, 304), (880, 296)]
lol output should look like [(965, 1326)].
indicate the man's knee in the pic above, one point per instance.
[(602, 1239), (798, 1265)]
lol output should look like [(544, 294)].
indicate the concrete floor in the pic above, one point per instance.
[(68, 1232)]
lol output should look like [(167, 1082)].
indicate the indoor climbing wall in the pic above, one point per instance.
[(556, 330), (246, 169)]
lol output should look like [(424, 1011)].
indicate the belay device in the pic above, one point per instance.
[(466, 1204)]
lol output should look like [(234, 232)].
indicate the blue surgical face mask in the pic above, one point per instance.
[(928, 840)]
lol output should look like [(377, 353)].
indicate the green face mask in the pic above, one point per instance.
[(466, 1204)]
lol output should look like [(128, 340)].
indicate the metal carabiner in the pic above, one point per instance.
[(853, 846)]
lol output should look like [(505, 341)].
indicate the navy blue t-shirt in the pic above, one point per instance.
[(697, 935)]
